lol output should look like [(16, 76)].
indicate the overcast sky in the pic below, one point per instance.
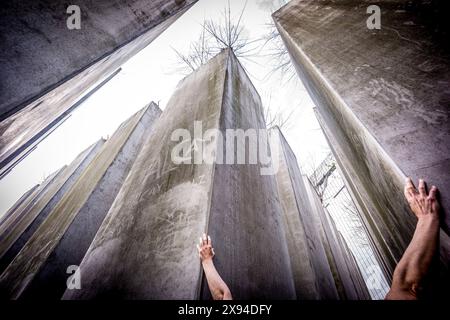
[(152, 75)]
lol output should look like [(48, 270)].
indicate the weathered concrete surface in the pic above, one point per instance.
[(323, 267), (245, 216), (21, 146), (145, 248), (383, 98), (50, 281), (63, 238), (381, 245), (39, 52), (24, 199), (348, 278), (47, 68), (381, 248), (357, 279), (28, 218), (14, 216), (311, 270)]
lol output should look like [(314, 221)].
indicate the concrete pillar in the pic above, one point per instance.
[(39, 269), (25, 199), (26, 218), (382, 97), (323, 266), (357, 279), (311, 270), (380, 245), (347, 276), (145, 249), (48, 68)]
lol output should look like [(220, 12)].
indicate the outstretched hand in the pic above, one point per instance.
[(205, 249), (422, 203), (410, 274), (219, 289)]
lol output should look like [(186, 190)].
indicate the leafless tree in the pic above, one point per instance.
[(271, 5), (276, 116), (274, 46), (278, 54), (217, 35), (199, 53), (230, 34)]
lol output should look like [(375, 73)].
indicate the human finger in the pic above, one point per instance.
[(410, 189), (422, 188), (433, 192)]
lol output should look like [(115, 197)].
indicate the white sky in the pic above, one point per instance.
[(151, 75)]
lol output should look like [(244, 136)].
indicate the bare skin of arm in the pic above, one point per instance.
[(218, 287), (410, 273)]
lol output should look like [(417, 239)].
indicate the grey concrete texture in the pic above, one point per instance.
[(50, 281), (245, 216), (30, 217), (47, 68), (311, 270), (14, 217), (349, 287), (348, 278), (24, 199), (334, 271), (382, 97), (378, 233), (40, 52), (72, 223), (360, 286), (145, 248), (25, 141)]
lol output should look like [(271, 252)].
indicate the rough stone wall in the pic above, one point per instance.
[(39, 269), (145, 249), (47, 68), (382, 96)]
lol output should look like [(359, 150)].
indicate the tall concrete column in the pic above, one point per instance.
[(145, 249), (27, 217), (311, 269), (347, 276), (48, 69), (25, 199), (323, 267), (40, 268), (382, 97)]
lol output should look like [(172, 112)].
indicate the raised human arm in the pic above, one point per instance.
[(410, 274), (218, 287)]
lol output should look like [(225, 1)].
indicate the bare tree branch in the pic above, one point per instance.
[(278, 55), (217, 35), (226, 33), (276, 116)]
